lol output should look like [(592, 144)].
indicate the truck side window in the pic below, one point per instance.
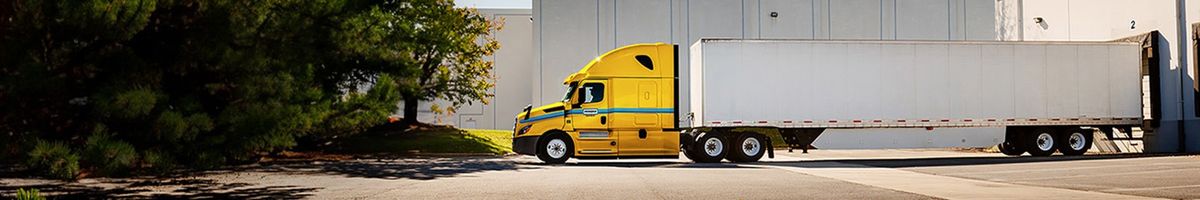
[(592, 92), (645, 61)]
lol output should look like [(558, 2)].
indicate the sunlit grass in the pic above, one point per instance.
[(438, 140)]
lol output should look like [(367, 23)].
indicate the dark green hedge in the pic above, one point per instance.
[(107, 86)]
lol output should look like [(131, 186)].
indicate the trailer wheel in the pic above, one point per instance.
[(1008, 148), (555, 149), (1075, 142), (709, 149), (1040, 142), (747, 148)]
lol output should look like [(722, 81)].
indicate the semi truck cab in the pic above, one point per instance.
[(622, 104)]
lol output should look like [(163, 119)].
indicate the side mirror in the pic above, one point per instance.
[(527, 110), (569, 101), (575, 101)]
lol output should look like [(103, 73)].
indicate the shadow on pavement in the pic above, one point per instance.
[(861, 162), (953, 161), (183, 189), (407, 168), (652, 164)]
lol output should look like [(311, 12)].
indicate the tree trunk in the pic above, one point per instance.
[(410, 110)]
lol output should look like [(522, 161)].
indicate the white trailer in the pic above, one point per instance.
[(1042, 92)]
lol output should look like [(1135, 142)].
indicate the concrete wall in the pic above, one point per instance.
[(569, 33), (1104, 20), (566, 34)]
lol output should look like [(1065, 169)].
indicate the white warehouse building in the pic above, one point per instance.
[(554, 38)]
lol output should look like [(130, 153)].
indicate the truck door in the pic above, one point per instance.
[(590, 118), (636, 109)]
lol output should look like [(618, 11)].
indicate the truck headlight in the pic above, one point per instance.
[(524, 130)]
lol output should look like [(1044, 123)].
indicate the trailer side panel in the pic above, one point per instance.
[(860, 84)]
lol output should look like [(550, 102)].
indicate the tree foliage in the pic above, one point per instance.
[(449, 55), (203, 83)]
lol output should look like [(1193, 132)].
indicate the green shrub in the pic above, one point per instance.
[(13, 149), (31, 194), (54, 159), (109, 155), (210, 83), (128, 104), (158, 162)]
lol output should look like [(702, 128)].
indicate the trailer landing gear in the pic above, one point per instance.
[(800, 137)]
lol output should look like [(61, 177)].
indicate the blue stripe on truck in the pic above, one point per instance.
[(598, 111)]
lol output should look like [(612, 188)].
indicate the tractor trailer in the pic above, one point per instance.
[(1048, 96)]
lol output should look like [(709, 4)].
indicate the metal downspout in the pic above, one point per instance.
[(1182, 44)]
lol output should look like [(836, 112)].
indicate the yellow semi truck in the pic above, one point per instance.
[(622, 104), (625, 103)]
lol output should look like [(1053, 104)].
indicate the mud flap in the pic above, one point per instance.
[(770, 148)]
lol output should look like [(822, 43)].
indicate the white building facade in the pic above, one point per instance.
[(568, 33), (563, 35)]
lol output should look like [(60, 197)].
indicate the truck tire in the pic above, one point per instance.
[(747, 148), (687, 140), (709, 149), (1008, 148), (687, 153), (1040, 142), (1075, 141), (555, 149)]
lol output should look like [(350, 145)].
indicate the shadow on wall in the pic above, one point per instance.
[(1041, 23)]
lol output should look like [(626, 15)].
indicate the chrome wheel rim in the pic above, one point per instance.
[(751, 146), (713, 147), (556, 148), (1045, 141), (1077, 141)]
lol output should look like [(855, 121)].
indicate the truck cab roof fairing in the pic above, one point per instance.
[(622, 62)]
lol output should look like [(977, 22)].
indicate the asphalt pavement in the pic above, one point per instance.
[(821, 174)]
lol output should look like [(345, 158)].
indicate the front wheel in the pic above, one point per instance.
[(748, 148), (709, 149), (555, 149)]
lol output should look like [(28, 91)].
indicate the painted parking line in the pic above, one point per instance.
[(940, 186), (1097, 175), (1151, 188), (1105, 166)]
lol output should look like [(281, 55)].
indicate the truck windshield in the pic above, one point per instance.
[(570, 91)]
